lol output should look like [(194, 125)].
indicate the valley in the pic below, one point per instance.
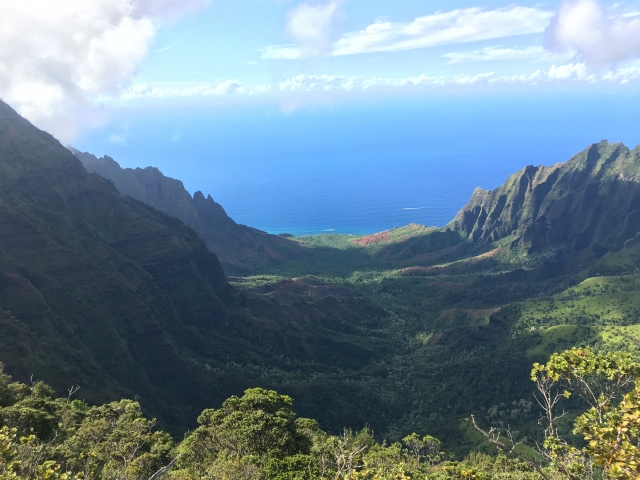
[(427, 325), (319, 240), (412, 329)]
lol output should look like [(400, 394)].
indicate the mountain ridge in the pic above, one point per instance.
[(539, 207), (239, 247), (405, 331)]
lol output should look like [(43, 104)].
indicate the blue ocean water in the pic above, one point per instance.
[(361, 167)]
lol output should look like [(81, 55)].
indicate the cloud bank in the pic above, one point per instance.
[(443, 28), (75, 51), (312, 84), (596, 36), (228, 87)]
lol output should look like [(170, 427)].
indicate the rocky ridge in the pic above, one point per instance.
[(590, 201)]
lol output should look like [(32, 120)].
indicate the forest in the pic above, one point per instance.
[(259, 436)]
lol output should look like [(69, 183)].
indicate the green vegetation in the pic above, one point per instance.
[(409, 330), (258, 437)]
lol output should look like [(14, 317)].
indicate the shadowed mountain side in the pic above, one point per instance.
[(239, 248), (592, 200), (331, 325), (104, 291), (106, 280)]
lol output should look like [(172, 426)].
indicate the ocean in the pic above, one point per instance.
[(362, 166)]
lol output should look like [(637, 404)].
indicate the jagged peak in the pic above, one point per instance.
[(155, 170), (89, 159), (479, 192), (542, 207), (199, 197)]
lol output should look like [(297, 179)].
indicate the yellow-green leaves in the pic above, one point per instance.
[(583, 362), (611, 427), (614, 440)]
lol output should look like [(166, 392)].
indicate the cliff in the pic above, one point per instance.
[(94, 286), (592, 200)]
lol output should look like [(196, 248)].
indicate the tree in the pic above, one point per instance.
[(251, 429), (115, 441), (608, 383), (23, 458)]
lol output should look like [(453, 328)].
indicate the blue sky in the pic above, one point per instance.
[(83, 60), (227, 41), (263, 49), (295, 115)]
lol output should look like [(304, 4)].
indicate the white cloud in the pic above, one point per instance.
[(118, 139), (57, 58), (328, 84), (571, 71), (164, 49), (203, 90), (167, 8), (593, 34), (311, 28), (282, 52), (444, 28), (502, 54)]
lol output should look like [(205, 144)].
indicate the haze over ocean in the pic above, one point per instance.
[(361, 167)]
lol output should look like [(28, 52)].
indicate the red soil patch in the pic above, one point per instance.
[(409, 231), (382, 237), (490, 254)]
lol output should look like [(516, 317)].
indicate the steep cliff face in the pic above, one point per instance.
[(592, 200), (103, 281), (241, 249)]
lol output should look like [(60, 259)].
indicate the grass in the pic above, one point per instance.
[(620, 338), (248, 283), (343, 241), (328, 240), (597, 301), (558, 338), (622, 262)]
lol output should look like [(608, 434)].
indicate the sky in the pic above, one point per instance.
[(218, 93), (69, 65)]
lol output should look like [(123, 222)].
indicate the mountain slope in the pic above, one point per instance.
[(107, 281), (592, 200), (240, 248), (584, 207)]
